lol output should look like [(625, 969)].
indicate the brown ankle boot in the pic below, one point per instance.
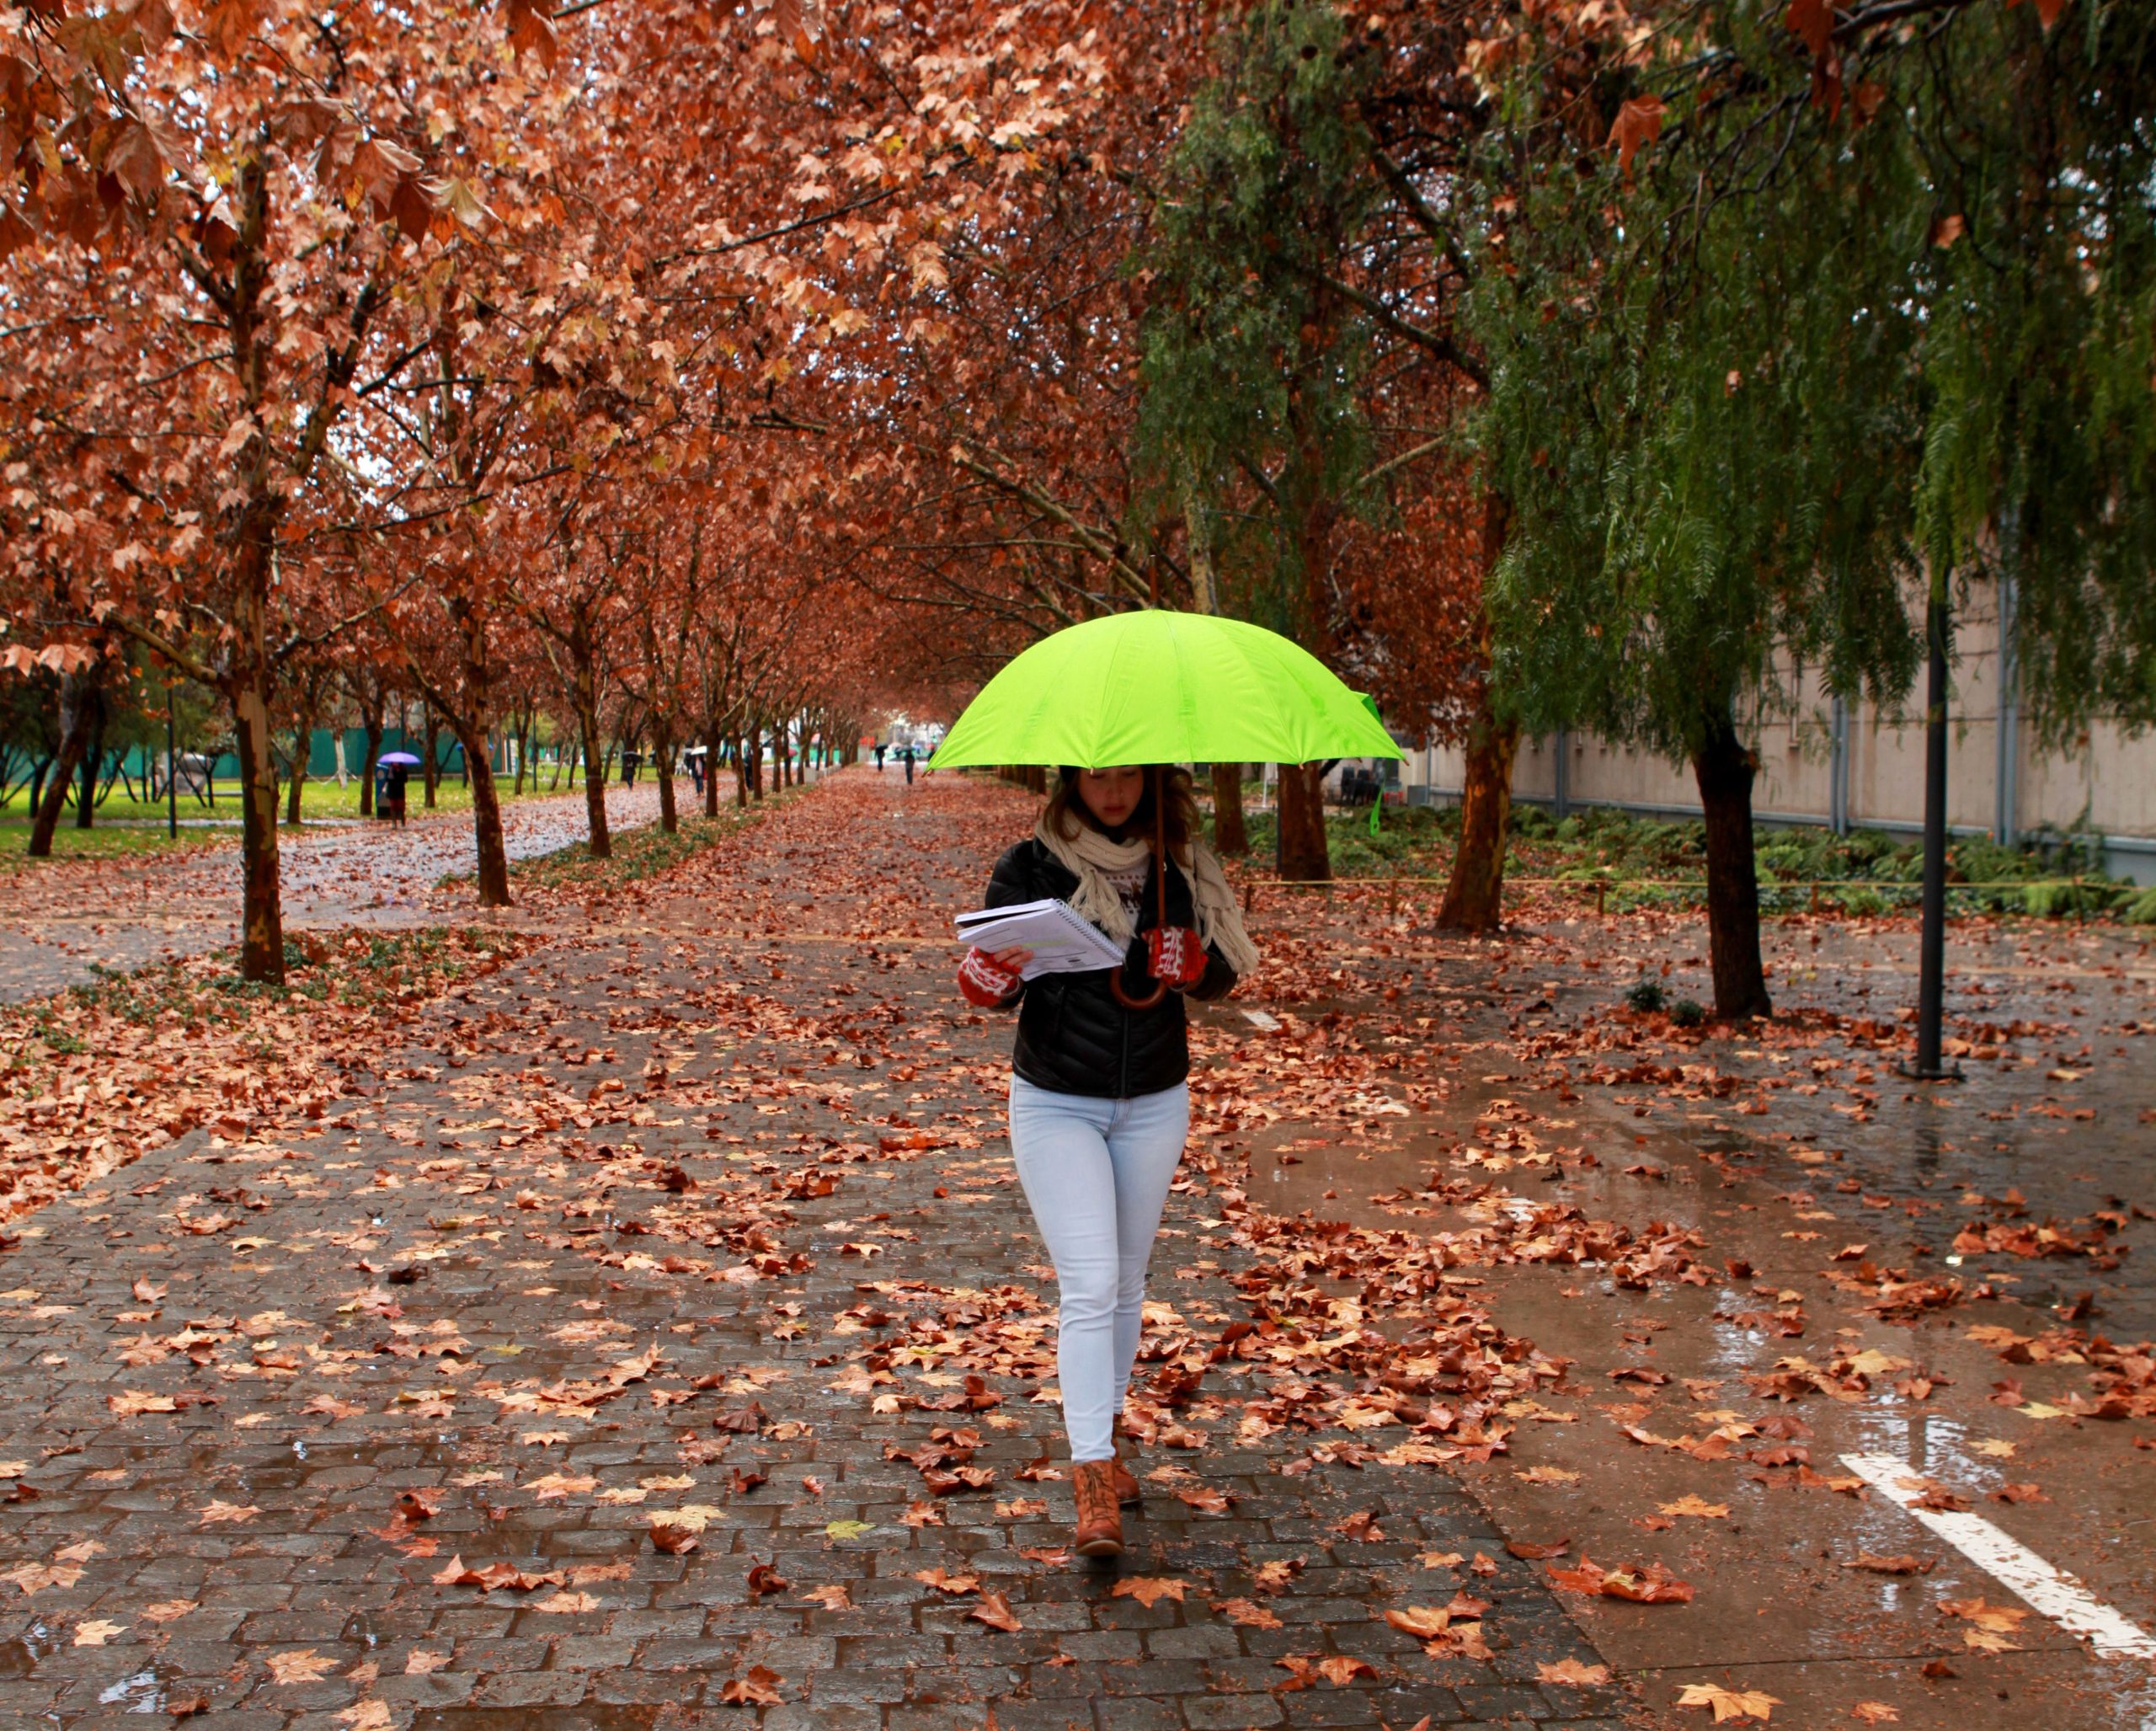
[(1100, 1521), (1128, 1490)]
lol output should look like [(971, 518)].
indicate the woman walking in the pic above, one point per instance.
[(1099, 1109)]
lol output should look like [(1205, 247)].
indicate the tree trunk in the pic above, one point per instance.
[(50, 798), (486, 816), (262, 923), (584, 694), (86, 797), (713, 758), (1229, 833), (1724, 768), (740, 775), (430, 771), (594, 785), (297, 778), (473, 727), (370, 719), (661, 764), (1475, 893), (757, 763), (1302, 853), (302, 755), (594, 788)]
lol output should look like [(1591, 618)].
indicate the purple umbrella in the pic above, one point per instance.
[(403, 757)]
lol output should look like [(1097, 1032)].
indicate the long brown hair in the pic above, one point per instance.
[(1067, 812)]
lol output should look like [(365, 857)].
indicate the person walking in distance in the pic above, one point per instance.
[(906, 752), (880, 749), (1099, 1105)]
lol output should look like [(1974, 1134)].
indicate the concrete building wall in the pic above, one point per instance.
[(1863, 767)]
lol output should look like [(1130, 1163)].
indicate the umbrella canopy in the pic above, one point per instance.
[(1159, 686), (404, 758)]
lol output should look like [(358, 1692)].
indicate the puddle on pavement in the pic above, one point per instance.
[(1787, 1607), (141, 1692)]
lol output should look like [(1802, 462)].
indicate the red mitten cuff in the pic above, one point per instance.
[(985, 981), (1174, 955)]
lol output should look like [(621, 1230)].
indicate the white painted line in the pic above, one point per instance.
[(2021, 1570)]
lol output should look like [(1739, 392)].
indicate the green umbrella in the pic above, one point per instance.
[(1164, 687)]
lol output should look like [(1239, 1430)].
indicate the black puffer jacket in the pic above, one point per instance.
[(1073, 1036)]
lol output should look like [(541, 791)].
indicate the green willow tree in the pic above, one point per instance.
[(2035, 130), (1251, 427), (1703, 456), (1758, 387)]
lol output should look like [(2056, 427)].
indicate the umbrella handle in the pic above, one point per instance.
[(1160, 897), (1115, 985)]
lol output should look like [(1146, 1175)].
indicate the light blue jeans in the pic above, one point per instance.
[(1097, 1172)]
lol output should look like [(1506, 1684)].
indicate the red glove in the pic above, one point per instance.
[(1174, 956), (983, 981)]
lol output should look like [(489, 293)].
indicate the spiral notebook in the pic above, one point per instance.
[(1063, 940)]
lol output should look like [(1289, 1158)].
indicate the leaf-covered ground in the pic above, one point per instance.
[(64, 921), (649, 1321)]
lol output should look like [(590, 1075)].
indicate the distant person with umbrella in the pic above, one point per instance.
[(880, 749), (905, 754), (1099, 1105), (392, 770)]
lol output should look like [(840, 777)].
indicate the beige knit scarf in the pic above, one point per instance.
[(1090, 856)]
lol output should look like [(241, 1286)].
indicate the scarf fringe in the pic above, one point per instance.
[(1091, 855)]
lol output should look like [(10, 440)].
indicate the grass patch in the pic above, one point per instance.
[(106, 841)]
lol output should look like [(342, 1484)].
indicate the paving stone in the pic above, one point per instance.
[(397, 1176), (1231, 1713)]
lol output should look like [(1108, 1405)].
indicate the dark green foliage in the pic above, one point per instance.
[(1688, 1012), (1744, 402), (1412, 841), (1650, 862), (2040, 457), (1703, 421), (1251, 418), (1647, 997)]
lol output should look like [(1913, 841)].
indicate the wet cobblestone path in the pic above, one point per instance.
[(665, 1342)]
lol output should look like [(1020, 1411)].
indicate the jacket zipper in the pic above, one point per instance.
[(1122, 1077)]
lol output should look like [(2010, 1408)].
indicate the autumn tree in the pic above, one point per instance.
[(233, 220)]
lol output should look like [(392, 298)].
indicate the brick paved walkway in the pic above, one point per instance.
[(703, 1223)]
